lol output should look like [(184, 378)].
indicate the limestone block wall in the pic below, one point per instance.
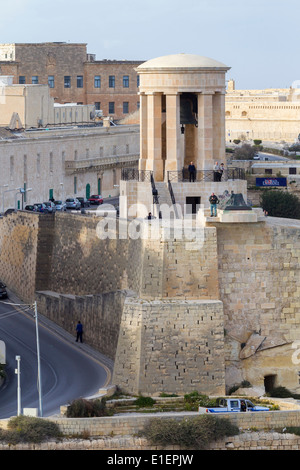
[(83, 264), (99, 314), (171, 346), (259, 287), (18, 253)]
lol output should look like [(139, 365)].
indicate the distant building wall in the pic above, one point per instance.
[(74, 76)]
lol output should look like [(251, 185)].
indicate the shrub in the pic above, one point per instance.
[(282, 392), (195, 398), (281, 204), (144, 402), (236, 141), (257, 142), (29, 429), (195, 433), (82, 408)]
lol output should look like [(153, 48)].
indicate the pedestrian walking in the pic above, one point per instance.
[(213, 199), (79, 331)]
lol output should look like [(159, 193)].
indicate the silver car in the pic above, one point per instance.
[(50, 206), (60, 206), (73, 203)]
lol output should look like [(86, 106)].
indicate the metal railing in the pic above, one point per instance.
[(207, 175), (134, 174)]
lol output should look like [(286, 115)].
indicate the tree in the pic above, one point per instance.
[(281, 204), (245, 152)]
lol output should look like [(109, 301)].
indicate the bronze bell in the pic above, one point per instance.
[(188, 109)]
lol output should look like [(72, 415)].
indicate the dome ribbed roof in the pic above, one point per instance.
[(182, 61)]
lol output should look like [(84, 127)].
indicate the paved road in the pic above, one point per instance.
[(68, 369)]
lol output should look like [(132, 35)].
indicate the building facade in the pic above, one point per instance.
[(64, 163), (74, 76), (269, 115)]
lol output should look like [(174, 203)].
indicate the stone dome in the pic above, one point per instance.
[(182, 61)]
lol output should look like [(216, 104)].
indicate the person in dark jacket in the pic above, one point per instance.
[(192, 171), (79, 331)]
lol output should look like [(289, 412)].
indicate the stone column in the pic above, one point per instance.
[(143, 132), (205, 160), (154, 119), (173, 160), (219, 127)]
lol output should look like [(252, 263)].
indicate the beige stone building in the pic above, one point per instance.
[(74, 75), (63, 163), (268, 115)]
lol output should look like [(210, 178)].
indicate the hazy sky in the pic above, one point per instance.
[(258, 39)]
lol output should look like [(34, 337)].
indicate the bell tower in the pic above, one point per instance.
[(182, 113)]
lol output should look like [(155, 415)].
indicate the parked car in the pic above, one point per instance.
[(41, 207), (235, 405), (84, 202), (96, 199), (60, 206), (3, 291), (50, 206), (73, 203), (31, 208)]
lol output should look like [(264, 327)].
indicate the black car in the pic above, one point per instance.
[(3, 291), (84, 202)]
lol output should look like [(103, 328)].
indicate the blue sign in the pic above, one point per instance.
[(270, 182)]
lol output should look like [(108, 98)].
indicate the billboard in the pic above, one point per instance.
[(270, 182)]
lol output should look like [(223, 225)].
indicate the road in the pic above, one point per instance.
[(68, 371)]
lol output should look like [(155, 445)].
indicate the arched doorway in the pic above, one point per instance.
[(269, 382), (88, 191)]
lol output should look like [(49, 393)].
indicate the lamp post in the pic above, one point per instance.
[(38, 357), (23, 191), (4, 186), (18, 359)]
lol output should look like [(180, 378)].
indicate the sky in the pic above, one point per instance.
[(258, 39)]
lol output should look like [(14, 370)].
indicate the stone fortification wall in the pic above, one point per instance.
[(168, 346), (259, 286), (18, 253), (100, 314)]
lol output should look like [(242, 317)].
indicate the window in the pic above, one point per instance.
[(111, 81), (97, 105), (51, 81), (292, 171), (138, 105), (111, 107), (138, 81), (79, 81), (97, 81), (22, 79), (75, 184), (125, 107), (67, 81), (12, 165), (34, 79), (51, 162), (268, 171), (125, 81)]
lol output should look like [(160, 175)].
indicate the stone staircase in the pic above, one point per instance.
[(164, 197)]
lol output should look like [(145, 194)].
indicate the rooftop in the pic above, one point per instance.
[(182, 61)]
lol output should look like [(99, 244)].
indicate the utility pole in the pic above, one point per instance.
[(38, 357), (17, 371)]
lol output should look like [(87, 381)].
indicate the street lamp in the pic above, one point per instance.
[(7, 191), (17, 371), (23, 191), (4, 186)]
